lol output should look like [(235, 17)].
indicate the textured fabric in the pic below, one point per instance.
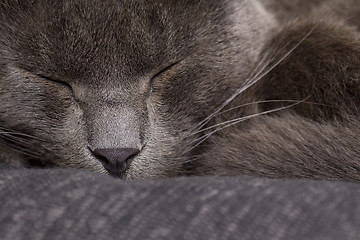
[(72, 204)]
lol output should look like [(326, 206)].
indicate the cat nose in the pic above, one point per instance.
[(115, 160)]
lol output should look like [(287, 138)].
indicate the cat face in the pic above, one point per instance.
[(84, 81)]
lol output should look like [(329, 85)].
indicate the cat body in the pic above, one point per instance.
[(157, 84)]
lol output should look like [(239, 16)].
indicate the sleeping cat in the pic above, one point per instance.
[(163, 88)]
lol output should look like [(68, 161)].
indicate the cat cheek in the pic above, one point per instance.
[(60, 98)]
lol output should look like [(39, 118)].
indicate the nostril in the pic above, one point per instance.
[(115, 160)]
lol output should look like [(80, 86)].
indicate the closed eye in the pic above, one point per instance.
[(65, 84), (54, 80), (160, 73)]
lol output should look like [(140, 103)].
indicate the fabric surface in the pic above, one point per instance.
[(72, 204)]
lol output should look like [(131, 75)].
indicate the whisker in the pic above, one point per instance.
[(234, 95), (270, 101), (236, 121), (261, 66), (24, 151), (27, 153), (230, 99), (19, 134), (250, 116), (14, 140), (19, 142), (251, 81)]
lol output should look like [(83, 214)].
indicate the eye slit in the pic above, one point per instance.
[(161, 72), (54, 80), (59, 82)]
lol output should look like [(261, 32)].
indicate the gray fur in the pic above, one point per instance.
[(152, 75)]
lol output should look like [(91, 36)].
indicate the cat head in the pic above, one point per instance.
[(99, 84)]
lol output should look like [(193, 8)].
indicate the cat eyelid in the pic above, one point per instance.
[(54, 80), (65, 84), (163, 70)]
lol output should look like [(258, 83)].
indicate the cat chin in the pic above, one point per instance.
[(139, 171)]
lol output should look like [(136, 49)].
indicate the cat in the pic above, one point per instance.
[(165, 88)]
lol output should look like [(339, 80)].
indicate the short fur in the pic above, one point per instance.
[(168, 77)]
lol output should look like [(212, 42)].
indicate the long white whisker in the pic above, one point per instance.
[(270, 101), (232, 97), (251, 82), (236, 121), (249, 116)]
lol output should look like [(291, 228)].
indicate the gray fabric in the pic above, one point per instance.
[(71, 204)]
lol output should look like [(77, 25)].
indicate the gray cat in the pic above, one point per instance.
[(149, 89)]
